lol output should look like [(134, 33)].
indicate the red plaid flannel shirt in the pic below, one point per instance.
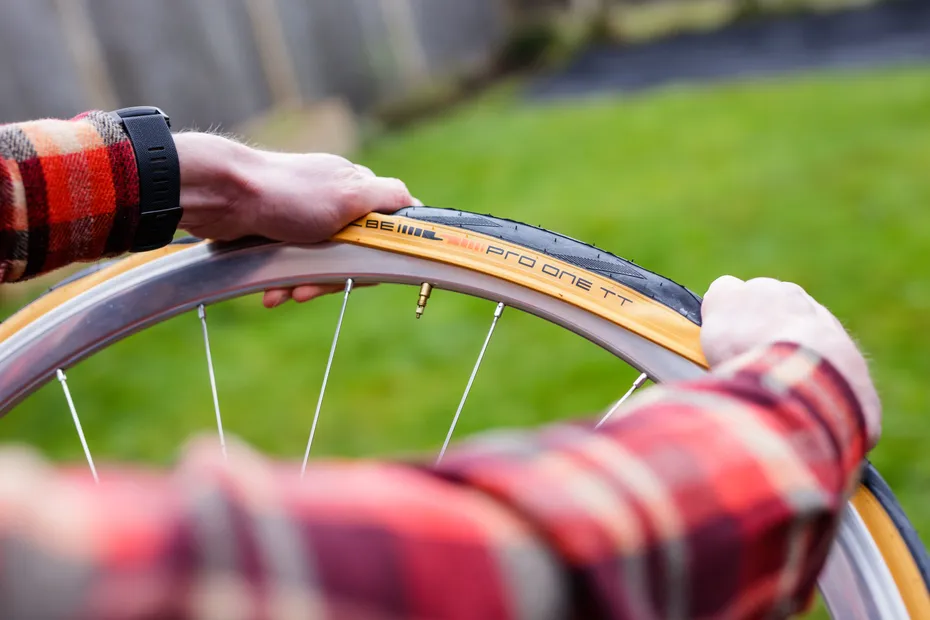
[(69, 191), (715, 498)]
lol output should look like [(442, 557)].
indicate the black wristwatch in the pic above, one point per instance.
[(149, 131)]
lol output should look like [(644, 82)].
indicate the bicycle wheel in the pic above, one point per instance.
[(877, 568)]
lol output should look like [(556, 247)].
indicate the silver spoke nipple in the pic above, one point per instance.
[(425, 291), (77, 422)]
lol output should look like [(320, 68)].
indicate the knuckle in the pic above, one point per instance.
[(347, 175), (796, 289), (349, 193), (337, 161), (400, 196), (757, 284), (720, 289), (721, 284)]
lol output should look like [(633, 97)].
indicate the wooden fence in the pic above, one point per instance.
[(220, 62)]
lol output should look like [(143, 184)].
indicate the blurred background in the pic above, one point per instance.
[(788, 138)]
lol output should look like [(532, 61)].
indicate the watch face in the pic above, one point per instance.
[(141, 110)]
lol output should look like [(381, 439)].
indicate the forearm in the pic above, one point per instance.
[(250, 539), (698, 499), (717, 498), (69, 192)]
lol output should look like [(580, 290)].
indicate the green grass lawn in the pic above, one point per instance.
[(824, 180)]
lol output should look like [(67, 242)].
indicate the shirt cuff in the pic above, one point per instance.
[(800, 375)]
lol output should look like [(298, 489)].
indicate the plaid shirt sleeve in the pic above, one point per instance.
[(716, 498), (69, 191)]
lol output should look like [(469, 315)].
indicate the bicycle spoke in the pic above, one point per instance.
[(636, 385), (329, 364), (471, 379), (77, 423), (202, 314)]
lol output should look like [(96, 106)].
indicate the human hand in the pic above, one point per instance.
[(229, 191), (739, 316)]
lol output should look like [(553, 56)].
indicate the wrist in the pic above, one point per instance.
[(159, 211), (216, 181), (839, 351), (852, 397), (802, 391)]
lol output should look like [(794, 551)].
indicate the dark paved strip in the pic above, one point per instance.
[(895, 32)]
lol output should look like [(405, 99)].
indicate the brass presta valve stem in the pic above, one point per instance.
[(425, 291)]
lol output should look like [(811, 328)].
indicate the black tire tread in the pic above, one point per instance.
[(571, 251), (561, 247), (882, 492)]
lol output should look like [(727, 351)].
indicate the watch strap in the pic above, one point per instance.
[(159, 170)]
